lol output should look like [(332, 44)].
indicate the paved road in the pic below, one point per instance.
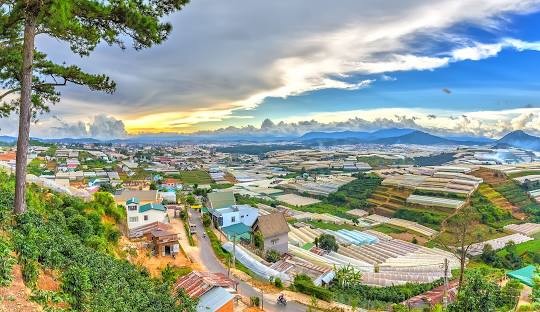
[(207, 258)]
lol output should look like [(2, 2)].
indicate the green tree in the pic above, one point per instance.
[(461, 235), (187, 304), (477, 294), (327, 242), (31, 79)]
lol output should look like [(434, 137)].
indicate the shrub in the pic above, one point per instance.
[(272, 256), (255, 301), (327, 242), (6, 263), (278, 283), (30, 272), (304, 284)]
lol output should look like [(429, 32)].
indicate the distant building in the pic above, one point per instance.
[(275, 231), (144, 197)]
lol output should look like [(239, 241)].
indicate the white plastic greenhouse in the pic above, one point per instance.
[(255, 266)]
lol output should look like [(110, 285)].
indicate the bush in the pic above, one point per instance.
[(327, 242), (278, 283), (207, 220), (171, 273), (304, 284), (272, 256), (6, 263), (255, 301), (30, 272)]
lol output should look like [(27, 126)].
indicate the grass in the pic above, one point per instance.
[(195, 177), (389, 229), (523, 173), (332, 226), (532, 246), (220, 186)]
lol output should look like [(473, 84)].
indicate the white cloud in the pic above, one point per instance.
[(226, 56)]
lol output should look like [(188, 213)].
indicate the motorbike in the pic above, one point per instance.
[(281, 300)]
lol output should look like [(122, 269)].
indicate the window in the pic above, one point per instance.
[(274, 241), (133, 219), (145, 217), (132, 207), (233, 219)]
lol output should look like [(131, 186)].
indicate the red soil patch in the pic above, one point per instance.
[(48, 281), (16, 297)]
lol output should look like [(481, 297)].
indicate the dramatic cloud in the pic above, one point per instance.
[(100, 127), (227, 56), (492, 124)]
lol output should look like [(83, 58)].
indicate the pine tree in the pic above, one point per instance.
[(31, 80)]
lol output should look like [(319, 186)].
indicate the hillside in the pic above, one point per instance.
[(65, 235)]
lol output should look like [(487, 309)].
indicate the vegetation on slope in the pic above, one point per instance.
[(66, 235)]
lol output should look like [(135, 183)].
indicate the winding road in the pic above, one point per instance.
[(205, 255)]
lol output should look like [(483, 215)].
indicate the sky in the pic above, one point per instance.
[(451, 67)]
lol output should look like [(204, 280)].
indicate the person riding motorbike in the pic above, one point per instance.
[(281, 299)]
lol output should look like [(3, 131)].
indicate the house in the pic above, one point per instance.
[(141, 214), (172, 184), (217, 200), (215, 291), (275, 231), (164, 240), (144, 197), (234, 214)]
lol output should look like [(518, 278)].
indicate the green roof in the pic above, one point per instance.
[(221, 199), (132, 200), (152, 206), (240, 230), (308, 246), (524, 275)]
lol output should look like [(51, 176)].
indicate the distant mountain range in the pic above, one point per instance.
[(520, 139), (388, 136)]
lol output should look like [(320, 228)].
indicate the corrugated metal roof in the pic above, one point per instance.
[(213, 300), (152, 206), (197, 284)]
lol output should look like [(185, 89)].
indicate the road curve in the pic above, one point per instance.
[(209, 260)]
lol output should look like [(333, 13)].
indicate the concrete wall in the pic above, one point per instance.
[(278, 243), (153, 216)]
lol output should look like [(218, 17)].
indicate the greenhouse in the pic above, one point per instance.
[(435, 201)]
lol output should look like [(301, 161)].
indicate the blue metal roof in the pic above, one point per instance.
[(213, 299)]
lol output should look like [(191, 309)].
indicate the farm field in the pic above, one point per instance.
[(523, 173), (490, 176), (387, 200), (497, 199), (195, 177)]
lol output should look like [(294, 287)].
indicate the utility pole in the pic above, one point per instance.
[(445, 294), (262, 299)]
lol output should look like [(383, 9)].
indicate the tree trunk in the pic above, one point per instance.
[(462, 260), (25, 114)]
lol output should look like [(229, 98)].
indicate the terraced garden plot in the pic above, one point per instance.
[(514, 193), (523, 173), (499, 200), (489, 176), (386, 200)]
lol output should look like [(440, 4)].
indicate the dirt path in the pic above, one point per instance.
[(16, 297)]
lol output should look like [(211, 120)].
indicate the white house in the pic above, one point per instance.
[(234, 214), (138, 215)]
